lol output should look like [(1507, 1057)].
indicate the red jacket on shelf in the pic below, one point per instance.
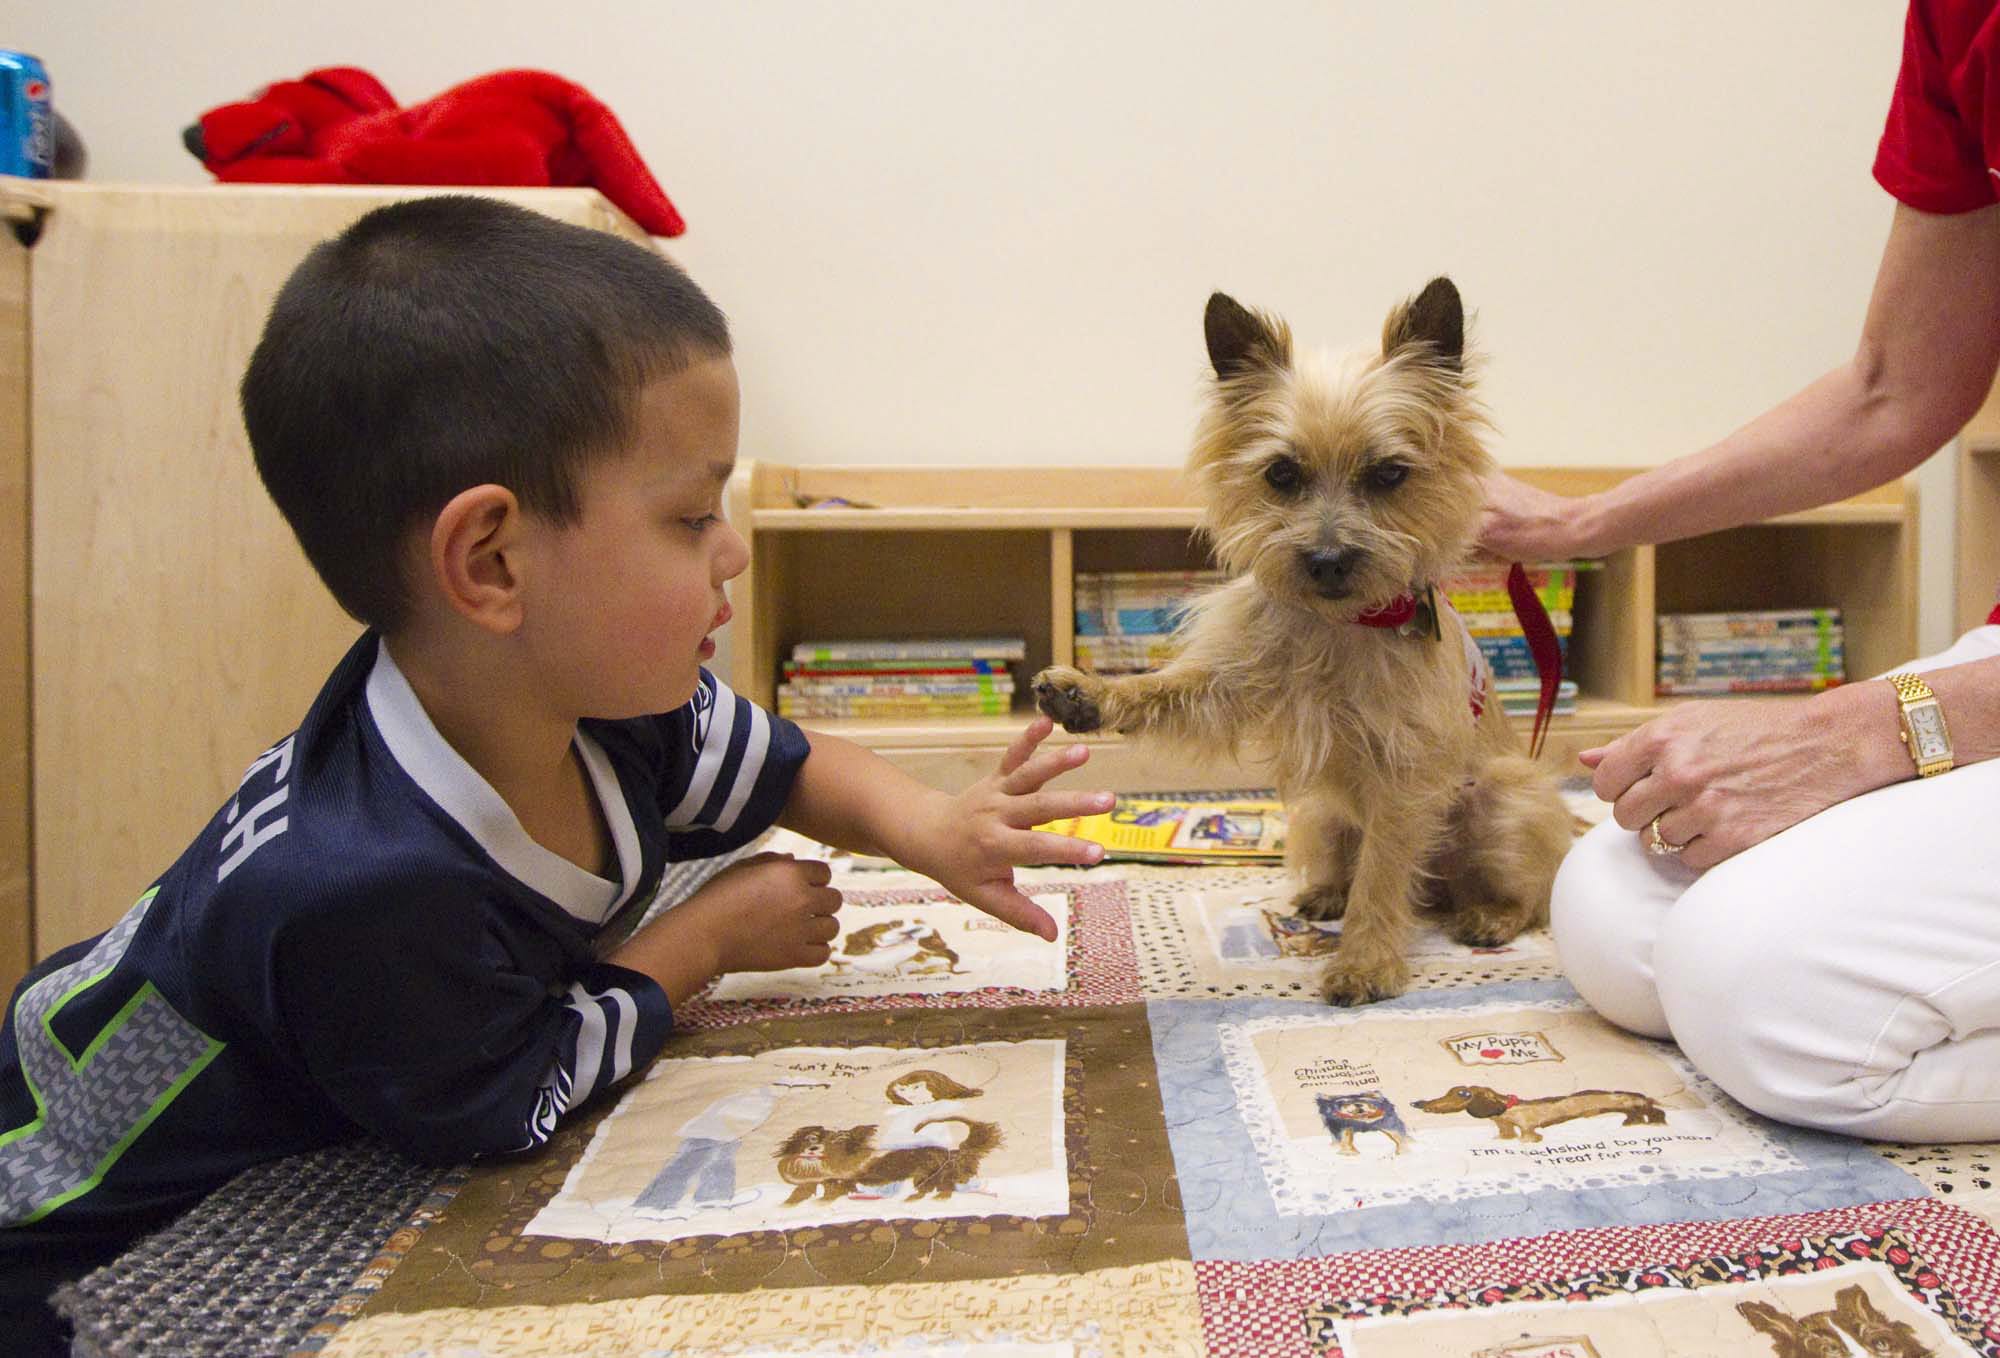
[(340, 125)]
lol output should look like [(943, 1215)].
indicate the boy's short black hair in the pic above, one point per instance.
[(443, 343)]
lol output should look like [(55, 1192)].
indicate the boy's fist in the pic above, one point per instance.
[(770, 912)]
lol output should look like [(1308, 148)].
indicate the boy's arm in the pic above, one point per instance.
[(420, 1024), (766, 913), (422, 1027), (854, 799)]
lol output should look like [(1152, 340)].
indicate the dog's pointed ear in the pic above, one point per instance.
[(1241, 340), (1434, 317)]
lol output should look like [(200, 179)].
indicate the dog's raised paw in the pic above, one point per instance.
[(1350, 985), (1062, 694)]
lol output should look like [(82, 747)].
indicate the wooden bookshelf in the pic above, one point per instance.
[(991, 551)]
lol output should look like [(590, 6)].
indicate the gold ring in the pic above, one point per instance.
[(1657, 843)]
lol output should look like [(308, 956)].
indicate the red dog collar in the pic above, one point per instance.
[(1395, 613), (1535, 626)]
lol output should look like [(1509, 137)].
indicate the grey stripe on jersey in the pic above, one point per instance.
[(92, 1106)]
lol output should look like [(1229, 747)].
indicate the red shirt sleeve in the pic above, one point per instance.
[(1933, 154)]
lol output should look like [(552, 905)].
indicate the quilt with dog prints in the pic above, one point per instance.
[(1149, 1138)]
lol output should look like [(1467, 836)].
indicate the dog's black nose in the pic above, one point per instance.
[(1331, 572), (192, 139)]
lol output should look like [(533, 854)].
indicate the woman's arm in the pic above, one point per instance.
[(1926, 359)]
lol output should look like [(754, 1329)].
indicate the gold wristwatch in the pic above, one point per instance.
[(1924, 733)]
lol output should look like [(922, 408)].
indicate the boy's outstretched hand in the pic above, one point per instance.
[(971, 843)]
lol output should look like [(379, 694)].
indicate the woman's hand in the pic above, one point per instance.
[(1710, 779), (1524, 523)]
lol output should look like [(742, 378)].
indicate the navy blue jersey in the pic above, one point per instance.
[(365, 939)]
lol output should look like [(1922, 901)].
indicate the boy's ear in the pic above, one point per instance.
[(473, 541)]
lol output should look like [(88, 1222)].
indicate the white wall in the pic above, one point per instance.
[(962, 233)]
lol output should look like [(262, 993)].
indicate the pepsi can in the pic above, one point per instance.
[(27, 131)]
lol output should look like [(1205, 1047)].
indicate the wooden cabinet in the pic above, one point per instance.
[(993, 551), (16, 936), (174, 626)]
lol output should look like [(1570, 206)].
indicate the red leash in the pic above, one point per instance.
[(1542, 645)]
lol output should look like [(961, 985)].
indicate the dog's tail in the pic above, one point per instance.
[(1522, 836), (980, 1137)]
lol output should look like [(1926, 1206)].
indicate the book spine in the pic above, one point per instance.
[(1710, 687), (1499, 601), (1749, 624), (1507, 625), (982, 648), (1498, 649), (1773, 669), (1201, 579), (1481, 580), (878, 689), (1802, 643), (995, 706), (834, 669), (1127, 621)]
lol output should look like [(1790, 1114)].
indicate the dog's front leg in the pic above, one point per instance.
[(1396, 839), (1181, 702), (1321, 844)]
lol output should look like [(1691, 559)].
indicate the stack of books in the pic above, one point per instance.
[(1480, 595), (948, 677), (1793, 650), (1125, 619)]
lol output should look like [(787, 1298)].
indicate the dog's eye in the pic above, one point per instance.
[(1387, 475), (1285, 474)]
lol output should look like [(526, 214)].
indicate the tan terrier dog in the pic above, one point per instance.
[(1339, 490)]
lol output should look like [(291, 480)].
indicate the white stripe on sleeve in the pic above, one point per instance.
[(628, 1025), (714, 747), (746, 772), (589, 1040)]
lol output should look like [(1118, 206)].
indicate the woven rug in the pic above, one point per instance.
[(1148, 1139)]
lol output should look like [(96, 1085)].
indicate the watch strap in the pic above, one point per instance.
[(1912, 692)]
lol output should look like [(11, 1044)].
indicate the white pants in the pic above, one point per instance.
[(1844, 974)]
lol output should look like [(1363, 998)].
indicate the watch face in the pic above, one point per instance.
[(1927, 726)]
